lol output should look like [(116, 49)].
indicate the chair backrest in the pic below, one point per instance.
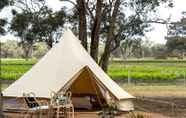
[(60, 98), (68, 95), (30, 100), (53, 98)]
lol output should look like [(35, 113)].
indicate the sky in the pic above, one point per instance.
[(156, 35)]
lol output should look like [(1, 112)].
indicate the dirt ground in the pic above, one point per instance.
[(92, 115), (151, 102), (148, 107), (170, 107)]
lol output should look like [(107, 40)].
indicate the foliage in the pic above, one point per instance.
[(176, 38), (34, 21), (11, 49), (3, 3), (111, 22), (39, 50), (139, 116), (3, 22)]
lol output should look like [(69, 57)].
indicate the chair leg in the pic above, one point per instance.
[(72, 111), (26, 115), (40, 113), (57, 112)]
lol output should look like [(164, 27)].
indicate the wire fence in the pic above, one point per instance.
[(167, 108), (175, 77)]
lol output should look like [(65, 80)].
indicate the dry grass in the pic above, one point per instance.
[(156, 90)]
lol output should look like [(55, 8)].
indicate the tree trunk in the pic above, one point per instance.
[(82, 23), (50, 42), (27, 50), (123, 53), (104, 61), (106, 55), (95, 32)]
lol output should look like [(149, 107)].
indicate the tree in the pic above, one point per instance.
[(39, 50), (147, 48), (109, 21), (11, 49), (176, 38), (132, 48), (36, 22), (82, 22), (3, 3), (121, 27), (94, 48)]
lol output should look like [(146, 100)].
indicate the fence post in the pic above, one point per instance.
[(129, 78), (184, 78)]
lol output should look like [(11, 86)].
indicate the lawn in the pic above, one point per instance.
[(118, 70)]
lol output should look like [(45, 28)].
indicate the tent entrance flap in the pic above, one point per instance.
[(86, 92)]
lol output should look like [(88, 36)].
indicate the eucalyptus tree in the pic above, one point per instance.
[(113, 21), (34, 21), (3, 3), (176, 37)]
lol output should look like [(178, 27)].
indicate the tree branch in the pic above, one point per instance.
[(70, 1), (90, 11)]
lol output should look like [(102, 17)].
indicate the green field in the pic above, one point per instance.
[(119, 70), (148, 69), (15, 68)]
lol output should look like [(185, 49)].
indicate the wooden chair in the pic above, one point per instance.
[(62, 108), (69, 106), (33, 105)]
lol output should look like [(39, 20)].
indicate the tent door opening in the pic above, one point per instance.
[(87, 94)]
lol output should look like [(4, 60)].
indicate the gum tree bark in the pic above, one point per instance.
[(95, 31), (82, 22), (104, 61)]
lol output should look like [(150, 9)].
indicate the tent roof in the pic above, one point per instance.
[(57, 67)]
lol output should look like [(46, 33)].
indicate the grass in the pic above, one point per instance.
[(150, 70), (12, 69), (18, 62), (118, 70), (156, 90)]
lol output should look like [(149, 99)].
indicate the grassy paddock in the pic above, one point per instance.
[(118, 70), (172, 91), (12, 69), (148, 69)]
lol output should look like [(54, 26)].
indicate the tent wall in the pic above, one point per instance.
[(59, 68), (125, 105)]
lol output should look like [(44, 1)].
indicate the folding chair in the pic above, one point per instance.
[(33, 105)]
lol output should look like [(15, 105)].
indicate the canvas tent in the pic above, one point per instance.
[(67, 66)]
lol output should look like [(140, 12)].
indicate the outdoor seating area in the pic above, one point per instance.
[(59, 106), (74, 82)]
